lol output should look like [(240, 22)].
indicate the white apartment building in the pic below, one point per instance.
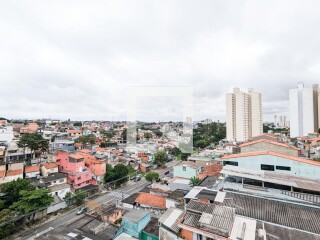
[(244, 115), (6, 134), (281, 121), (303, 110)]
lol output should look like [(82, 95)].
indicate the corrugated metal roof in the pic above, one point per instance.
[(170, 219), (194, 192)]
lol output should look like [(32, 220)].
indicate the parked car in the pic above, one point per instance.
[(81, 210)]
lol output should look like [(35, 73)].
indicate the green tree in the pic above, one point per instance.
[(178, 154), (88, 139), (69, 199), (147, 135), (120, 171), (79, 197), (13, 188), (77, 124), (152, 176), (124, 135), (208, 134), (32, 201), (160, 157), (34, 141), (108, 134), (2, 204), (194, 181), (10, 228), (109, 176), (158, 133)]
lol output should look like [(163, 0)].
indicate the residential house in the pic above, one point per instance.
[(186, 169), (13, 175), (151, 231), (133, 222), (56, 184), (30, 128), (179, 183), (73, 134), (79, 175), (175, 199), (48, 168), (150, 201), (62, 145), (97, 167), (32, 171), (6, 134)]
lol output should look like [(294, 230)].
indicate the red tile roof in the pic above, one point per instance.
[(101, 149), (50, 165), (74, 131), (2, 173), (151, 200), (14, 172), (76, 156), (29, 169), (92, 160), (303, 160), (268, 141), (84, 150), (211, 170)]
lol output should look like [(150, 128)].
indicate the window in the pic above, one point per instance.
[(184, 168), (61, 180), (267, 167), (283, 168), (230, 163), (78, 178)]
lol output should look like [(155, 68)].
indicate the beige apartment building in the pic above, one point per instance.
[(244, 115)]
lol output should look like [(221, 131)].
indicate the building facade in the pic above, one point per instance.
[(304, 111), (244, 115)]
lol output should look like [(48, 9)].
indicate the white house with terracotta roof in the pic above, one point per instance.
[(32, 171), (48, 168), (13, 175), (74, 133)]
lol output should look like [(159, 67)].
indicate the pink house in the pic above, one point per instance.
[(74, 164), (97, 167)]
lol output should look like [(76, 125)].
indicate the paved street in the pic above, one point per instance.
[(130, 188)]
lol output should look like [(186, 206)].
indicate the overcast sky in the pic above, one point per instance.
[(76, 59)]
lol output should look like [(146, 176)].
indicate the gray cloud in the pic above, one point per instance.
[(76, 59)]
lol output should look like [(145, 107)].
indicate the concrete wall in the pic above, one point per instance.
[(188, 173), (297, 168), (264, 146)]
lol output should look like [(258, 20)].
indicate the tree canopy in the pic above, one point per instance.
[(179, 154), (147, 135), (34, 141), (194, 181), (160, 157), (108, 134), (32, 201), (206, 134), (119, 171), (13, 188), (152, 176), (88, 139)]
